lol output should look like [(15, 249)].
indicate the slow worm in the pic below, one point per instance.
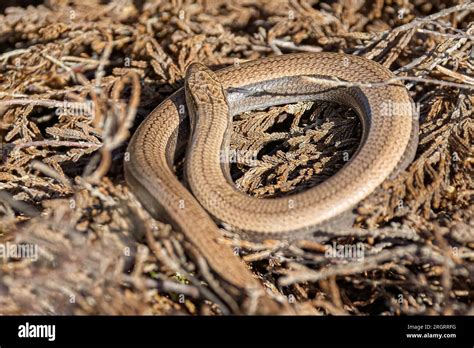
[(389, 141)]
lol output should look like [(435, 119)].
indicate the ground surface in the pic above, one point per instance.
[(68, 71)]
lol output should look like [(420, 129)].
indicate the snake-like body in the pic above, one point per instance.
[(388, 145)]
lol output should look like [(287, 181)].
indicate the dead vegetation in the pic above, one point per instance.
[(77, 77)]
